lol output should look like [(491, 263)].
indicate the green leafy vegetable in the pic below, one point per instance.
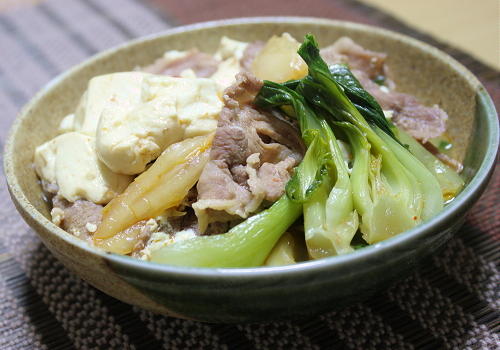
[(390, 189), (450, 182), (412, 186), (384, 208), (245, 245), (342, 220), (311, 173), (342, 86), (330, 221), (360, 98)]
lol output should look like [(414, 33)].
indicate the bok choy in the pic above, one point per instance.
[(390, 183), (404, 191), (391, 189), (330, 220)]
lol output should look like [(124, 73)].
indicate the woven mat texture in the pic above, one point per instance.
[(451, 302)]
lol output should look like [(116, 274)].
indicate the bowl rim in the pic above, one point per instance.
[(465, 198)]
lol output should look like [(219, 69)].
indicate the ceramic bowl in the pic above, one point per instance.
[(236, 295)]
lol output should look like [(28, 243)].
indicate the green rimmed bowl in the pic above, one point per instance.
[(236, 295)]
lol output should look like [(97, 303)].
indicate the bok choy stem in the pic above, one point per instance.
[(330, 221), (394, 170), (245, 245), (450, 181)]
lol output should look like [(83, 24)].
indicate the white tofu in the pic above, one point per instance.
[(225, 74), (57, 216), (159, 240), (128, 140), (122, 89), (230, 53), (67, 124), (169, 110), (230, 48), (188, 73), (45, 161), (70, 161), (196, 102), (173, 55)]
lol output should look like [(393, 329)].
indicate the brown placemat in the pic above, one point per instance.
[(453, 301)]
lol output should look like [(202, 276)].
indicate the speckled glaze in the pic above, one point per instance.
[(236, 295)]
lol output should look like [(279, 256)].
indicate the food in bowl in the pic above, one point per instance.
[(196, 161)]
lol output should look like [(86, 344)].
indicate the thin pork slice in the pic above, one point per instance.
[(421, 122), (253, 155)]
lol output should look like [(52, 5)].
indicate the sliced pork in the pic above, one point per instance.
[(252, 157), (359, 59), (419, 121), (81, 218)]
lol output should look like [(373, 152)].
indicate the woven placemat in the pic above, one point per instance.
[(453, 301)]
